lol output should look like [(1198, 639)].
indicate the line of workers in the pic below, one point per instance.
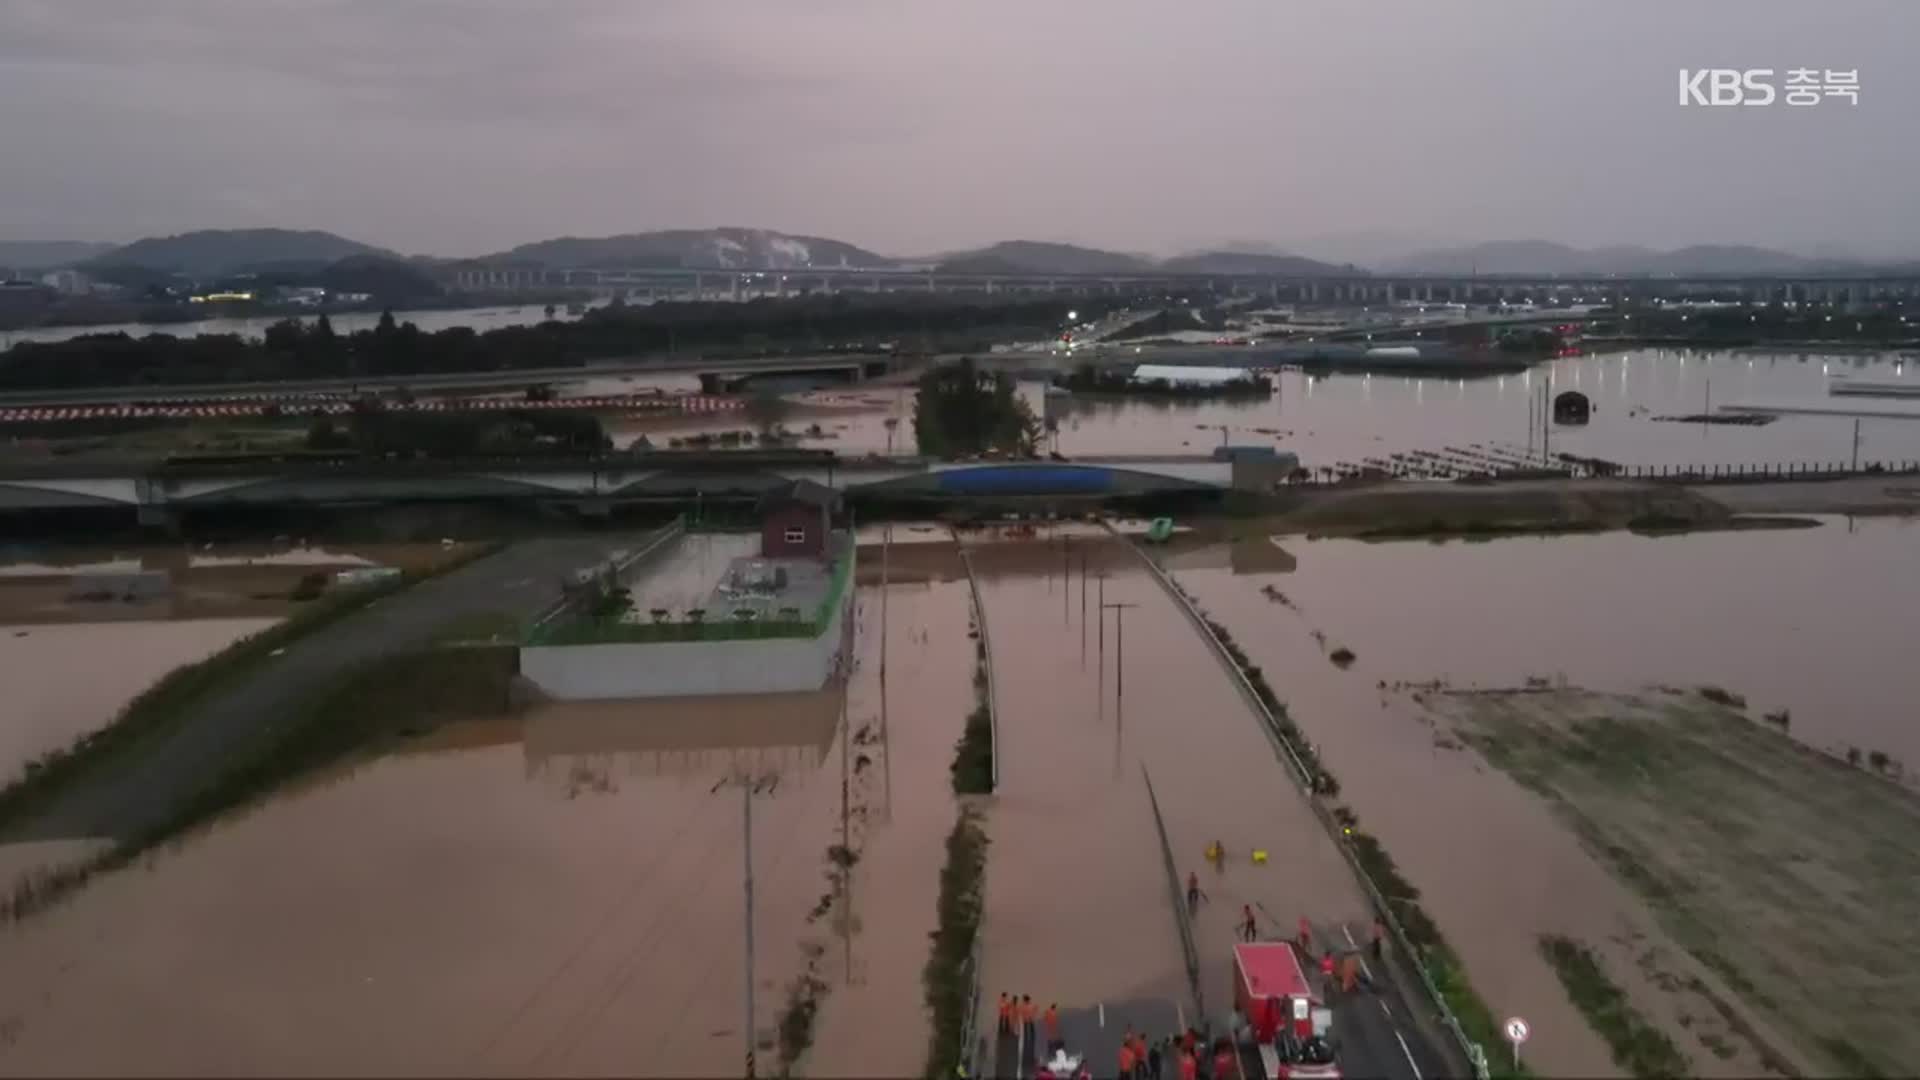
[(1138, 1060)]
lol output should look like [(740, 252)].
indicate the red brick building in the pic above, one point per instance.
[(796, 519)]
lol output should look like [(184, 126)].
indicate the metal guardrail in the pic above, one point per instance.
[(623, 632), (1470, 1050), (662, 537), (1182, 917), (971, 1045), (986, 648)]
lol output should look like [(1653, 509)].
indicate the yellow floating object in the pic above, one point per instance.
[(1259, 856)]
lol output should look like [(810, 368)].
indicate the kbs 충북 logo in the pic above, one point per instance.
[(1756, 86)]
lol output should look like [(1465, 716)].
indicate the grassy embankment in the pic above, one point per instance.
[(1638, 1046), (1432, 951), (973, 755), (949, 977), (365, 702), (948, 981), (1782, 870)]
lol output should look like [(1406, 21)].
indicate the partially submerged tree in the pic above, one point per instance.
[(961, 411), (766, 409)]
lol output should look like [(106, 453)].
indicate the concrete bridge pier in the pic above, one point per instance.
[(162, 519)]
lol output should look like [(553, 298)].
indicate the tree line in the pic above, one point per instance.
[(295, 349)]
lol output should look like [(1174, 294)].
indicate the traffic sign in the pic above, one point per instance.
[(1517, 1031)]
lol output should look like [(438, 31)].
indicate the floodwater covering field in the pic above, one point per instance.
[(559, 892), (1802, 622), (64, 681), (1350, 417), (875, 1024)]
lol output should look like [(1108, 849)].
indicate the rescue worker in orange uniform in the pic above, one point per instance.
[(1006, 1015), (1052, 1020), (1189, 1068)]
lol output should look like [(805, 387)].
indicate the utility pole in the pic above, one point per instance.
[(1119, 665), (886, 729), (749, 786), (846, 842), (1066, 578), (1083, 610), (1100, 671), (1856, 444)]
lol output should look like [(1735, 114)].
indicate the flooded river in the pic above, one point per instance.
[(1806, 620), (1347, 418)]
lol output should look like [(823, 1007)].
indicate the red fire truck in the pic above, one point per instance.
[(1290, 1022)]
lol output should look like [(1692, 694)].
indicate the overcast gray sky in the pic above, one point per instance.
[(466, 126)]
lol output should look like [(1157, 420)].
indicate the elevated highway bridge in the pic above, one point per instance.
[(1357, 287)]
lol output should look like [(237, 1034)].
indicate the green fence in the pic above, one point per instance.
[(615, 631)]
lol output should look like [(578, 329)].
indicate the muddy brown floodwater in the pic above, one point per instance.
[(876, 1024), (1073, 816), (1808, 620), (558, 895), (64, 681)]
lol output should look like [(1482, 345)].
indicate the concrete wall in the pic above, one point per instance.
[(689, 668)]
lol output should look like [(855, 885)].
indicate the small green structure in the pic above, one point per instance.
[(1160, 530)]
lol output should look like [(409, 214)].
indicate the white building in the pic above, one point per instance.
[(1180, 375)]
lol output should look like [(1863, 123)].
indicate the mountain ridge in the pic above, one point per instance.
[(219, 252), (1549, 257), (214, 252)]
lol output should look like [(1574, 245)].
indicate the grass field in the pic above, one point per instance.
[(1782, 870)]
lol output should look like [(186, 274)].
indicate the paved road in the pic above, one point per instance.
[(519, 581)]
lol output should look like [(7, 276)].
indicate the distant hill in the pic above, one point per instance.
[(24, 255), (214, 252), (729, 248), (1251, 262), (1034, 257), (1545, 257)]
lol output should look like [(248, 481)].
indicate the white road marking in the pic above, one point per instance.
[(1180, 1012), (1409, 1053), (1103, 1014), (1364, 969)]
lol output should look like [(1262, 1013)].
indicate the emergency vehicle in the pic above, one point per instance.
[(1290, 1023)]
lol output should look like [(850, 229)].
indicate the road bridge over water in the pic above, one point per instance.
[(590, 485)]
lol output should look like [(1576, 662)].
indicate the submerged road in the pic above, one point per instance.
[(126, 797), (1115, 956)]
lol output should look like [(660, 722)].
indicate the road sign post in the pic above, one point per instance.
[(1517, 1032)]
